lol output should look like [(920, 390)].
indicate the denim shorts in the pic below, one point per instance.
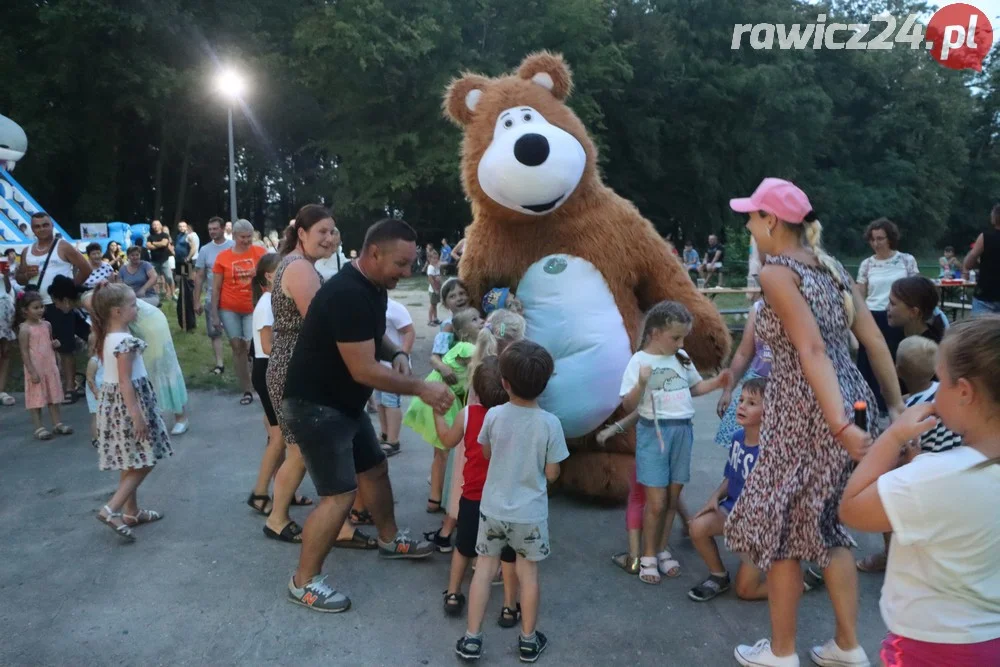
[(660, 467), (387, 400), (210, 328), (335, 446), (237, 325)]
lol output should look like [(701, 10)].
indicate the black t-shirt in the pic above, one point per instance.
[(158, 255), (348, 308), (712, 249)]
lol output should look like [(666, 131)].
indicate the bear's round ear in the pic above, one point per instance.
[(549, 71), (462, 96)]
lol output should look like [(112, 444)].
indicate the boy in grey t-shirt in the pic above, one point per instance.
[(524, 445)]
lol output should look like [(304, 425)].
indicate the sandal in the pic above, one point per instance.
[(292, 533), (62, 429), (630, 564), (123, 531), (301, 501), (247, 398), (434, 506), (141, 517), (710, 588), (872, 563), (70, 397), (362, 518), (666, 564), (454, 603), (509, 617), (260, 509), (358, 540), (649, 572), (6, 399), (42, 433), (218, 370)]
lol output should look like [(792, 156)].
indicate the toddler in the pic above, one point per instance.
[(42, 384), (9, 291), (131, 435), (95, 378), (691, 259), (489, 389), (433, 286), (524, 445), (941, 596), (949, 264), (660, 381)]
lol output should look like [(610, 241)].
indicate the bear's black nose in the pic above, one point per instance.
[(531, 149)]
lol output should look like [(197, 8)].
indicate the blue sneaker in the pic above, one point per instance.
[(530, 649), (469, 648)]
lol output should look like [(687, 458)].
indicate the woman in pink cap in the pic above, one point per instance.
[(787, 512)]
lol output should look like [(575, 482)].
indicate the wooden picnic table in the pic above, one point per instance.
[(712, 292), (963, 304)]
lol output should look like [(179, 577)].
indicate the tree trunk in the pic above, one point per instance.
[(182, 185)]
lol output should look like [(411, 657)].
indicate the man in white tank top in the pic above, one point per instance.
[(62, 262)]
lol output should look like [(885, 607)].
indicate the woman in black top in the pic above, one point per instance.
[(986, 251)]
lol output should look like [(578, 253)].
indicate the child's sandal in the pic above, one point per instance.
[(454, 603), (123, 531), (666, 564), (509, 617), (141, 517), (62, 429), (630, 564), (42, 433), (649, 572), (434, 506)]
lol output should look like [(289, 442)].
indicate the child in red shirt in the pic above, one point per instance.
[(489, 390)]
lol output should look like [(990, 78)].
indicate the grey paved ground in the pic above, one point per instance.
[(204, 587)]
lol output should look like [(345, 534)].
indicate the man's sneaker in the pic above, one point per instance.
[(469, 648), (530, 649), (760, 655), (318, 596), (442, 543), (831, 655), (390, 449), (812, 579), (403, 547)]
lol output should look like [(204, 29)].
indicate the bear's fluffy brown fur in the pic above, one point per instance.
[(594, 223)]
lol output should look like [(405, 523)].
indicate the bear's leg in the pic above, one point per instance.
[(597, 475)]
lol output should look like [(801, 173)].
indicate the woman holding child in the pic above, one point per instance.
[(787, 511)]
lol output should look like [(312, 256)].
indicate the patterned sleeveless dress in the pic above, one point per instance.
[(788, 508), (285, 332)]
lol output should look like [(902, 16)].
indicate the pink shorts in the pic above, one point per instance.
[(902, 652)]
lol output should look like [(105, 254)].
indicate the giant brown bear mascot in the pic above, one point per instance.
[(582, 260)]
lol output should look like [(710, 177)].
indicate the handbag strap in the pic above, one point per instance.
[(41, 274)]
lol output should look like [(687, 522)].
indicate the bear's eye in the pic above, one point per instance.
[(508, 123), (526, 117)]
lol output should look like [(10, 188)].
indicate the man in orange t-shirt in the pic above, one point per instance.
[(232, 299)]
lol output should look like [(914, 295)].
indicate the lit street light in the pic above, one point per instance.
[(232, 86)]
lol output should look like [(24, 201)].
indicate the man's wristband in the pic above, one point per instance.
[(399, 352)]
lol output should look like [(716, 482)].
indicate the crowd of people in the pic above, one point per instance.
[(900, 439)]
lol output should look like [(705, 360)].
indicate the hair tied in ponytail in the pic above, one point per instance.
[(809, 217)]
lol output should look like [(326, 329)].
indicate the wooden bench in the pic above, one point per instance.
[(956, 308), (737, 314)]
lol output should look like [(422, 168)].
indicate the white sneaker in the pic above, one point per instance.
[(831, 655), (179, 428), (759, 655)]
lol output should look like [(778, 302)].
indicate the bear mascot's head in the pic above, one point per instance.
[(583, 262)]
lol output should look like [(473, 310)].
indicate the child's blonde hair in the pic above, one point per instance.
[(971, 350), (662, 315), (502, 328), (105, 298), (915, 358), (460, 323)]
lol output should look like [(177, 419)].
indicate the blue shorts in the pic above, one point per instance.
[(237, 325), (387, 400), (660, 467)]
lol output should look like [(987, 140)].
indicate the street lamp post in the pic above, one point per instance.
[(232, 86)]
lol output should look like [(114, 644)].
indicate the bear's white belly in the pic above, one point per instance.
[(571, 313)]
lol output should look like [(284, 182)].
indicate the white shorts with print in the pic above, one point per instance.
[(528, 540)]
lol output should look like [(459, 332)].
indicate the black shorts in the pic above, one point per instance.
[(335, 446), (66, 327), (467, 529), (259, 379)]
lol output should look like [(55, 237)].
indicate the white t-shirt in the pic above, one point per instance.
[(263, 316), (110, 361), (330, 266), (880, 274), (670, 384), (432, 271), (396, 317), (942, 580)]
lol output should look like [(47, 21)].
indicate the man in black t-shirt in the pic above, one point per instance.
[(713, 261), (335, 365), (158, 243)]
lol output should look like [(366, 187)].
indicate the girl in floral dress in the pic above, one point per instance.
[(130, 431), (788, 509)]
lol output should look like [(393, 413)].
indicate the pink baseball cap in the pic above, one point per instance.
[(779, 197)]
